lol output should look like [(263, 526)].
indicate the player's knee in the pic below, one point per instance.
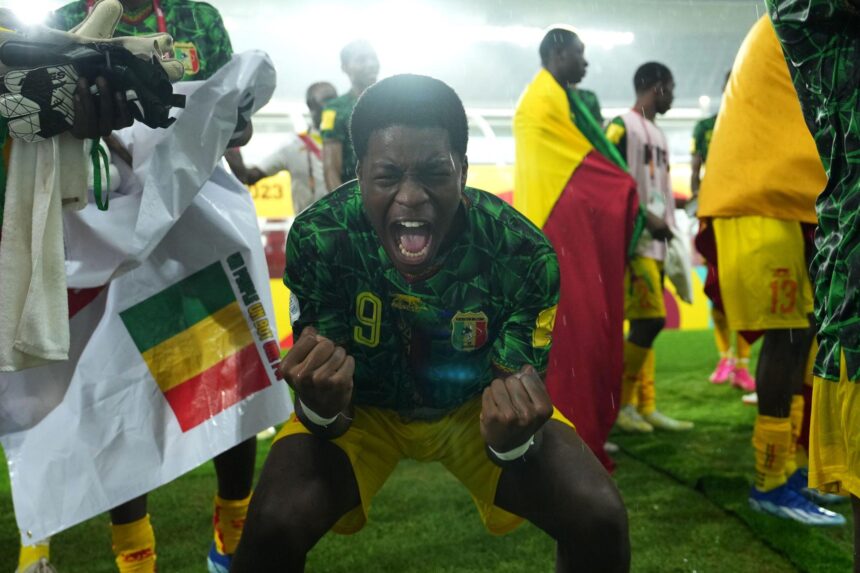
[(655, 325), (643, 331), (607, 512), (293, 521), (599, 515)]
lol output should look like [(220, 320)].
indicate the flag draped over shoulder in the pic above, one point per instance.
[(572, 183), (173, 345)]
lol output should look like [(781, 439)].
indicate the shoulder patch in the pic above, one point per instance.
[(328, 117), (542, 335), (615, 132)]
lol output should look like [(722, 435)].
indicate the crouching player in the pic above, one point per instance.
[(424, 311)]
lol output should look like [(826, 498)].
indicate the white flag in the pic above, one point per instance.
[(173, 340)]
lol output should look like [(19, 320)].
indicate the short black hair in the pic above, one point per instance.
[(555, 39), (649, 75), (309, 93), (412, 100), (350, 50)]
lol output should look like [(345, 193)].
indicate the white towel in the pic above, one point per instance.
[(34, 317)]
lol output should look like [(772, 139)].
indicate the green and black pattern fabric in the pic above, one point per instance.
[(591, 103), (424, 347), (592, 129), (201, 40), (702, 132), (335, 127), (821, 40)]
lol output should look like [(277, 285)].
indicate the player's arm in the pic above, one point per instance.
[(696, 161), (695, 173), (333, 129), (317, 368), (218, 55), (216, 33), (616, 133), (332, 163), (516, 405), (815, 35), (320, 373), (280, 160)]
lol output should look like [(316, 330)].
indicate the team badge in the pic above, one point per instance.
[(186, 52), (468, 330)]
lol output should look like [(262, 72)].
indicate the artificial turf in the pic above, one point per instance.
[(685, 494)]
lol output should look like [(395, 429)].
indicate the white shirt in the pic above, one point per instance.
[(648, 162), (305, 167)]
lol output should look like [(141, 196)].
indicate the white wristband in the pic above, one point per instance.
[(315, 418), (514, 453)]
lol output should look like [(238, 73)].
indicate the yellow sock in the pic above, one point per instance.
[(801, 457), (30, 554), (796, 417), (722, 335), (634, 359), (134, 546), (771, 439), (743, 350), (229, 519), (647, 390)]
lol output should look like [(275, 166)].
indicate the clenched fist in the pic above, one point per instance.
[(514, 409), (320, 373)]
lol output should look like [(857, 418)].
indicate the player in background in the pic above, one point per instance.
[(646, 150), (359, 62), (757, 213)]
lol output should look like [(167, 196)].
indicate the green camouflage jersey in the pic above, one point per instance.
[(424, 347), (335, 127), (702, 132), (201, 41), (821, 40), (591, 103)]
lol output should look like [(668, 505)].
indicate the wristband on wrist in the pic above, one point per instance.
[(514, 453), (315, 418)]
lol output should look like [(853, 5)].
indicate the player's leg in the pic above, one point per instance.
[(646, 322), (566, 492), (306, 486), (797, 468), (780, 373), (234, 470), (132, 537), (855, 507), (722, 336), (740, 375), (637, 350), (35, 557), (647, 405)]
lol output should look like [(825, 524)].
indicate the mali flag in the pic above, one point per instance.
[(196, 340), (572, 183)]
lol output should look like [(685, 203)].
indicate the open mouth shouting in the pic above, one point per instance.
[(412, 242)]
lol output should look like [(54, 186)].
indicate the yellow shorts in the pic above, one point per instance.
[(643, 289), (834, 435), (761, 263), (378, 439)]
